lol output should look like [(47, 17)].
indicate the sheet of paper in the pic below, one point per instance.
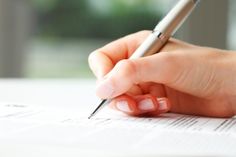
[(61, 130), (109, 131)]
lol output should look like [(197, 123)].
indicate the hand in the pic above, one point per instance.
[(181, 78)]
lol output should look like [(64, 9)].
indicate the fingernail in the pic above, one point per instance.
[(105, 89), (162, 104), (123, 106), (146, 105)]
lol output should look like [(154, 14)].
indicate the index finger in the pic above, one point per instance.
[(102, 60)]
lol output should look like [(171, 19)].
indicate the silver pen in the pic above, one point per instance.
[(160, 35)]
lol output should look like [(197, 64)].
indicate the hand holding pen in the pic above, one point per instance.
[(181, 78)]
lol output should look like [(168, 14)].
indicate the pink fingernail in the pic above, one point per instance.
[(123, 106), (146, 105), (162, 104)]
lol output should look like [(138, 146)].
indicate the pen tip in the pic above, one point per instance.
[(99, 107), (90, 116)]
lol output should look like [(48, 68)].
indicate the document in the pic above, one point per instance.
[(109, 131), (67, 131)]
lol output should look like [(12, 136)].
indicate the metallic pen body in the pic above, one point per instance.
[(161, 34)]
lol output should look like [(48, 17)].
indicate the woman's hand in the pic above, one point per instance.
[(182, 78)]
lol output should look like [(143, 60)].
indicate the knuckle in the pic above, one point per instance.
[(128, 67), (144, 32), (141, 35)]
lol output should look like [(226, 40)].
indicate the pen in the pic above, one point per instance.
[(160, 35)]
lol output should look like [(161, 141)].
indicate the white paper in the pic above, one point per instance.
[(62, 130)]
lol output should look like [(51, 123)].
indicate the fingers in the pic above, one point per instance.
[(101, 61), (141, 105), (162, 68), (100, 64), (194, 71)]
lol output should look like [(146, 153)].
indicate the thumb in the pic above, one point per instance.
[(177, 70)]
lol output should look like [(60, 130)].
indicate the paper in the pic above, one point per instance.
[(53, 129), (181, 134)]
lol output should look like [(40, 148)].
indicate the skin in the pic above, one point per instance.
[(185, 78)]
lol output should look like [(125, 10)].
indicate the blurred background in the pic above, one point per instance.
[(53, 38)]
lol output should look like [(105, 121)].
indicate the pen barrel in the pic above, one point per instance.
[(174, 19), (165, 29), (153, 43)]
